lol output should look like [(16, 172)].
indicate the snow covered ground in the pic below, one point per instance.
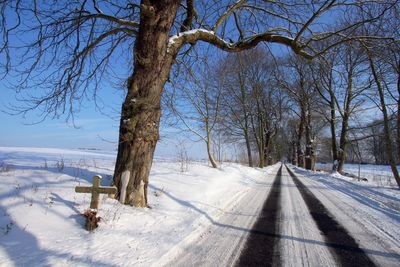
[(41, 225), (198, 217), (379, 175)]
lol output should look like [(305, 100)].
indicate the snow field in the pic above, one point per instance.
[(41, 225), (377, 175)]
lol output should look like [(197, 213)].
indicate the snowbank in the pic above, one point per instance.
[(377, 175)]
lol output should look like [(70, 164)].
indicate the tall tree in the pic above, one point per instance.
[(266, 102), (73, 41), (302, 92), (323, 74), (351, 88), (200, 92), (388, 136), (378, 71), (236, 111)]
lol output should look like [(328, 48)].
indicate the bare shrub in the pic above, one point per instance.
[(183, 158), (4, 167), (60, 164), (7, 228)]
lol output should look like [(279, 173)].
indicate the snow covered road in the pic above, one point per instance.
[(295, 220), (221, 243), (369, 215)]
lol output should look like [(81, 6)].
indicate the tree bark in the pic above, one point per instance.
[(345, 124), (258, 129), (332, 123), (260, 156), (243, 99), (309, 148), (300, 154), (209, 151), (140, 114), (248, 147), (294, 153), (398, 114), (267, 145), (342, 144)]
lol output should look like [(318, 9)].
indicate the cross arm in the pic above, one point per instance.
[(100, 190), (83, 189), (107, 190)]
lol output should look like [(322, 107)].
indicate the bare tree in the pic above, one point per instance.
[(196, 103), (235, 112), (352, 86), (385, 118), (378, 79), (302, 92), (265, 101), (291, 129), (74, 42), (323, 73), (378, 62), (376, 143), (393, 59)]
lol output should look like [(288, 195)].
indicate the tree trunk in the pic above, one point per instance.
[(248, 147), (398, 116), (309, 149), (333, 127), (386, 127), (258, 137), (300, 154), (140, 114), (260, 156), (261, 145), (342, 144), (209, 151), (294, 153), (309, 156), (267, 141), (345, 124)]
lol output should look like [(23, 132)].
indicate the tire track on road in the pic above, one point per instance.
[(343, 246), (261, 248)]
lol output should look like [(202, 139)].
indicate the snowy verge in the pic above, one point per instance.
[(40, 214), (377, 175)]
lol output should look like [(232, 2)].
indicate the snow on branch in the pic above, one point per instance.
[(192, 36)]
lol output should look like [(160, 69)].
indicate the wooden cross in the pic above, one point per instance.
[(96, 190)]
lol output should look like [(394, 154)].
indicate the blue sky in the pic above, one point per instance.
[(92, 128), (19, 131)]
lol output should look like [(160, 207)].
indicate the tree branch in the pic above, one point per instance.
[(190, 14), (177, 41), (227, 13)]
